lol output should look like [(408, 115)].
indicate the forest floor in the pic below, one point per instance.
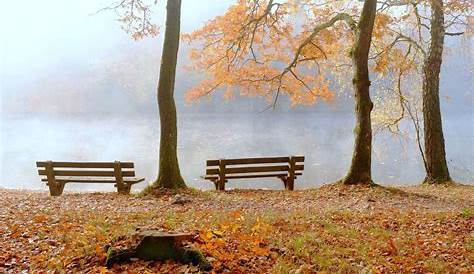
[(335, 228)]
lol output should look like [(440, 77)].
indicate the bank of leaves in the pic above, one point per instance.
[(331, 229)]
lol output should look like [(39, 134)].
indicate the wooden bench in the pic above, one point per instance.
[(284, 168), (57, 174)]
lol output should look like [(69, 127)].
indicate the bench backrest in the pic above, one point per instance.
[(255, 165), (83, 169)]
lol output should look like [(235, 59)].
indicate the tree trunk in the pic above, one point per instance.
[(360, 169), (437, 168), (169, 175)]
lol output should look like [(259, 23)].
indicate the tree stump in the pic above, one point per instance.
[(162, 246)]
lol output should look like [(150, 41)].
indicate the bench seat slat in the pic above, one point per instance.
[(93, 180), (86, 164), (252, 176), (263, 160), (96, 173), (252, 169)]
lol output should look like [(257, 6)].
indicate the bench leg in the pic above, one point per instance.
[(290, 187), (56, 189), (221, 184), (216, 184), (283, 179), (124, 188), (289, 183)]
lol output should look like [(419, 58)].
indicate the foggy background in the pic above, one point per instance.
[(75, 87)]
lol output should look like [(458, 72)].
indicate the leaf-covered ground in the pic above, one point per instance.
[(334, 228)]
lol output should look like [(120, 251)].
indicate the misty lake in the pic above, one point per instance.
[(325, 139)]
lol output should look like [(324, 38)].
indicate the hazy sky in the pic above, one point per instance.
[(38, 35), (58, 56)]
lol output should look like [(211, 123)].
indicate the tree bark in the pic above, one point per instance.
[(360, 169), (437, 168), (169, 175)]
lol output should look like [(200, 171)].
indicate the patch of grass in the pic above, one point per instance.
[(379, 232), (305, 244), (204, 194), (41, 234), (270, 216), (337, 230), (282, 267), (100, 223), (466, 213), (170, 220), (470, 244), (435, 265), (324, 250)]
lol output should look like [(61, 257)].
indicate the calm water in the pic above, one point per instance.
[(324, 138)]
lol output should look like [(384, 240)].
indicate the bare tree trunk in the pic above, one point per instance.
[(360, 170), (437, 168), (169, 175)]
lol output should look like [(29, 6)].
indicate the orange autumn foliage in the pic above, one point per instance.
[(258, 49), (250, 50)]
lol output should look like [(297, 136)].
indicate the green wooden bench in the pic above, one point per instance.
[(285, 168), (57, 174)]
